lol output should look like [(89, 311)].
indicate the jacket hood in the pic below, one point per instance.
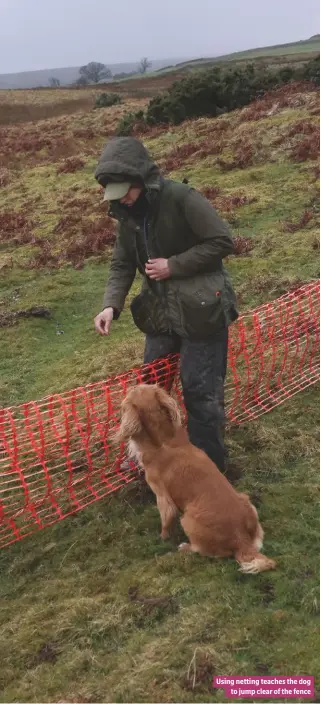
[(126, 159)]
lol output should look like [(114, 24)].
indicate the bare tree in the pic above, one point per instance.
[(95, 72), (144, 65), (82, 81), (54, 82)]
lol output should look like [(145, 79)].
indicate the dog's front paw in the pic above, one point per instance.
[(184, 547)]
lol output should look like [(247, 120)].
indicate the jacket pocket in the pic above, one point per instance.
[(202, 316), (147, 314)]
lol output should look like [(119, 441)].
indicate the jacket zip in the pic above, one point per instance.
[(158, 283), (145, 231)]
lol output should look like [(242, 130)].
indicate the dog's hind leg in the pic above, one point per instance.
[(185, 547), (195, 544), (188, 547), (168, 513)]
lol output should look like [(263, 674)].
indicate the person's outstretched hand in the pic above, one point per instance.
[(157, 269), (103, 321)]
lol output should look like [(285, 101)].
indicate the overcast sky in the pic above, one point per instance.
[(37, 34)]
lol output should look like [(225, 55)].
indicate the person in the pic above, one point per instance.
[(174, 237)]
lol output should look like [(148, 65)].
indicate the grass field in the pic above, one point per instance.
[(77, 622)]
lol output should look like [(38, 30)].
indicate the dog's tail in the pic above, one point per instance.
[(253, 562), (248, 555)]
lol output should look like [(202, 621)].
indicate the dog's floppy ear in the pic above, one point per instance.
[(169, 404), (130, 424)]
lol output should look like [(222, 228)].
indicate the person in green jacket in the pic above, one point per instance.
[(173, 236)]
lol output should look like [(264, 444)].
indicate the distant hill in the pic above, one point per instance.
[(303, 46), (66, 76)]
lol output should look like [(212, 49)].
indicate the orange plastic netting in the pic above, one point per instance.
[(56, 456)]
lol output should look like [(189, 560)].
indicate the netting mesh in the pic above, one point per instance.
[(56, 455)]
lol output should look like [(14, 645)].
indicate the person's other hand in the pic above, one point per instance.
[(157, 269), (103, 321)]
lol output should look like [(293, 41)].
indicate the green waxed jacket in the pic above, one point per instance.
[(181, 226)]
